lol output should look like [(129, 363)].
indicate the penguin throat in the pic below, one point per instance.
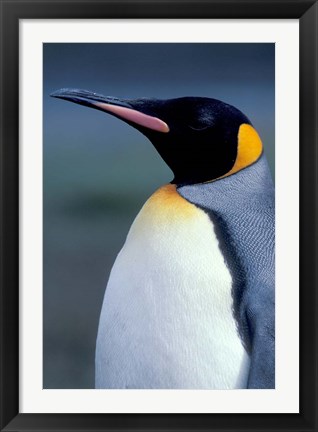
[(193, 168)]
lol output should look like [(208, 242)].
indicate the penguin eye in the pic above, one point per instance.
[(200, 121), (199, 127)]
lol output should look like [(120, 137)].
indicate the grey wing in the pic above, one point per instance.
[(260, 315)]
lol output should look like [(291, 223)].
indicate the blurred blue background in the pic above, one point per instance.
[(98, 171)]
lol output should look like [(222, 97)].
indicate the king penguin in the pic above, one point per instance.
[(190, 300)]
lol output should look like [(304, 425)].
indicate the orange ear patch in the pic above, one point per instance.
[(249, 148)]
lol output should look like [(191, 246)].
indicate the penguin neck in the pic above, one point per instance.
[(251, 181)]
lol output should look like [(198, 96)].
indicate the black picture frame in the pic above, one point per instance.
[(306, 11)]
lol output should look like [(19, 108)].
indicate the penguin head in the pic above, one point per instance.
[(200, 139)]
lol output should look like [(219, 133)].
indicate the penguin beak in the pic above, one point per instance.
[(120, 108)]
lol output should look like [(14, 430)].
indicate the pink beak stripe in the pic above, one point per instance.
[(134, 116)]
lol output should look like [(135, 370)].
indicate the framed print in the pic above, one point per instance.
[(201, 326)]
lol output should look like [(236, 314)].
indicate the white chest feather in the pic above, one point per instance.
[(167, 319)]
